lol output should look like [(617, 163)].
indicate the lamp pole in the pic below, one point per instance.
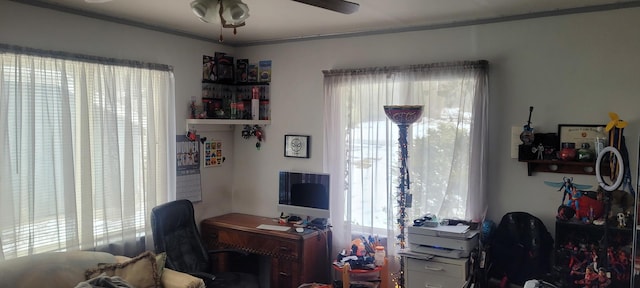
[(403, 116)]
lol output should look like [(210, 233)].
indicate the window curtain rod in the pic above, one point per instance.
[(480, 64), (4, 48)]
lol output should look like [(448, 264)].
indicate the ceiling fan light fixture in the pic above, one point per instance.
[(212, 15), (234, 12), (206, 10), (202, 7), (199, 8)]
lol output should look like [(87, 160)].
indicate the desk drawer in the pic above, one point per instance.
[(456, 268), (259, 245), (432, 280)]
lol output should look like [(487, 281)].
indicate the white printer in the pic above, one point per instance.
[(456, 241)]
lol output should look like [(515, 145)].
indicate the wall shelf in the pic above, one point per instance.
[(224, 124), (568, 167)]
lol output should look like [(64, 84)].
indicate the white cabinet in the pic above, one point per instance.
[(437, 272)]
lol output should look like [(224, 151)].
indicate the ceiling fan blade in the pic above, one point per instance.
[(341, 6)]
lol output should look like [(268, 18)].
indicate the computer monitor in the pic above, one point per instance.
[(304, 194)]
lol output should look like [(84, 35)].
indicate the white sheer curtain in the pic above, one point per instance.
[(447, 148), (85, 147)]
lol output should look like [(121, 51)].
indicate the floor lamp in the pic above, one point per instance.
[(403, 116)]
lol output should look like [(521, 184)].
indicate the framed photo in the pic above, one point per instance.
[(296, 146), (212, 154), (578, 133)]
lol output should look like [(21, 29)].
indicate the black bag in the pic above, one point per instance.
[(521, 248)]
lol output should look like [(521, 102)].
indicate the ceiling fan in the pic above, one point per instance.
[(340, 6), (233, 13)]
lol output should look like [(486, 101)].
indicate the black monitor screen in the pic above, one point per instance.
[(304, 189)]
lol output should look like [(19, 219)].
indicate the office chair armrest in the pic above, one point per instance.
[(244, 253)]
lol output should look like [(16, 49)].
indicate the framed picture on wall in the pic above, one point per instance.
[(296, 146), (580, 133)]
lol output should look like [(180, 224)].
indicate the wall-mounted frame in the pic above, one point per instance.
[(297, 146), (580, 133), (212, 153)]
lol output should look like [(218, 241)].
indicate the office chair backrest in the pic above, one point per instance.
[(521, 248), (175, 232)]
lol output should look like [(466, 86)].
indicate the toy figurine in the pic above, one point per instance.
[(622, 266), (622, 220), (567, 186), (574, 261), (603, 280), (573, 201), (539, 150), (589, 277)]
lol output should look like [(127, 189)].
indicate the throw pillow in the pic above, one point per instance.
[(160, 260), (175, 279), (141, 271)]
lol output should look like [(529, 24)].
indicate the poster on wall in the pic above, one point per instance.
[(188, 168), (212, 153)]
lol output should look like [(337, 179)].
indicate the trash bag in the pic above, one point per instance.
[(521, 248)]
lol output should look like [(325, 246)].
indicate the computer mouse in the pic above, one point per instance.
[(299, 229)]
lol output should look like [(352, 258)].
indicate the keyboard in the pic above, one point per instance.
[(273, 227)]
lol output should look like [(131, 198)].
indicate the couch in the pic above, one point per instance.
[(72, 269)]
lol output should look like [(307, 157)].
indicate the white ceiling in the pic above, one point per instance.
[(285, 20)]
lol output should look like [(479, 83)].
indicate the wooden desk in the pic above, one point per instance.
[(296, 258)]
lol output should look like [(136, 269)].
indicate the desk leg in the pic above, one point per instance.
[(384, 274), (345, 275)]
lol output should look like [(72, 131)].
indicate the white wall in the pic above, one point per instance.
[(574, 69)]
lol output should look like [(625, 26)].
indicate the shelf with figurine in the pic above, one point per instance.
[(543, 155), (582, 247), (232, 94), (559, 166), (572, 150), (594, 236)]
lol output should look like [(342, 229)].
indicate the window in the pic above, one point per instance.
[(85, 142), (445, 147)]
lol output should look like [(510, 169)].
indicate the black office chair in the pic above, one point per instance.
[(175, 232)]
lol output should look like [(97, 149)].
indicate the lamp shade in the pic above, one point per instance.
[(403, 114), (234, 12), (206, 10), (213, 13), (199, 7)]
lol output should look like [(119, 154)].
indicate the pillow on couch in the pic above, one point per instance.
[(52, 269), (170, 278), (175, 279), (140, 271)]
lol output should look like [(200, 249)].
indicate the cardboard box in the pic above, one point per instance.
[(264, 70), (209, 72), (224, 65), (242, 70), (252, 75)]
